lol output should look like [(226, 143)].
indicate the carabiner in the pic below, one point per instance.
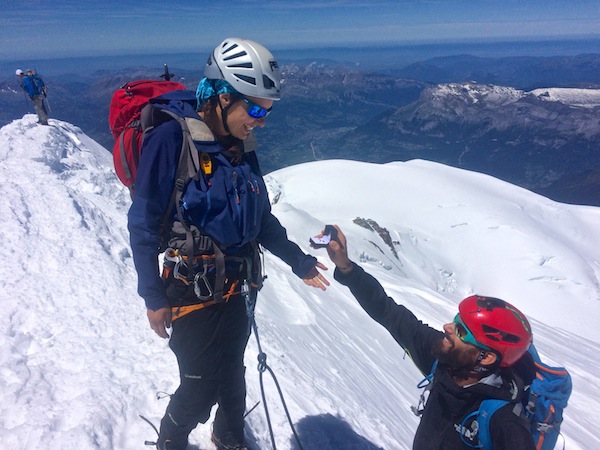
[(198, 287)]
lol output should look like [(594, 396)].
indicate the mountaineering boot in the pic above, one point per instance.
[(227, 442), (163, 444), (167, 444), (172, 436)]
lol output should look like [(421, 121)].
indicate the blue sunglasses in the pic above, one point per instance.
[(255, 111), (465, 335)]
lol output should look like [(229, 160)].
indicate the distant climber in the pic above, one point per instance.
[(33, 86)]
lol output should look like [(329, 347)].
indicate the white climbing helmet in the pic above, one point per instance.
[(248, 66)]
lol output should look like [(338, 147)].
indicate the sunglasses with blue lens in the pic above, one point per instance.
[(464, 334), (255, 111)]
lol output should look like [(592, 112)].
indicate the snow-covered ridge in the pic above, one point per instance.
[(502, 95), (474, 93), (586, 98), (78, 362)]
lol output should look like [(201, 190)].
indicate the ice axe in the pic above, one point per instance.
[(167, 76)]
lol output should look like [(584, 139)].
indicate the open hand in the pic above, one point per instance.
[(314, 278), (160, 320)]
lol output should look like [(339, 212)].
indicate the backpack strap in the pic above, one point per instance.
[(39, 83), (486, 410), (220, 274), (425, 384), (187, 167), (124, 164)]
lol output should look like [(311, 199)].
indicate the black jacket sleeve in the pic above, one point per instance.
[(417, 338)]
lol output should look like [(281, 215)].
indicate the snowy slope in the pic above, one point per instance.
[(585, 98), (78, 361)]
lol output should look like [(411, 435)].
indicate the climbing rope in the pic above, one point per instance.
[(263, 367)]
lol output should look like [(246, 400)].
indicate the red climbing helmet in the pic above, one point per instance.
[(497, 325)]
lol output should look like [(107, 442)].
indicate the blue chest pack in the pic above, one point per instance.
[(543, 405), (226, 201)]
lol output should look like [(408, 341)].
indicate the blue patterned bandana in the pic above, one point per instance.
[(210, 88)]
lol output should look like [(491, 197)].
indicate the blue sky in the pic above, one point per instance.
[(52, 28)]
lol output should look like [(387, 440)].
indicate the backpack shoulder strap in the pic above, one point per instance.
[(425, 384), (187, 167), (35, 85), (198, 130), (486, 410)]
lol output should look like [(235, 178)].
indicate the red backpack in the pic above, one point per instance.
[(124, 122)]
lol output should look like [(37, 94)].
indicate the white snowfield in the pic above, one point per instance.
[(503, 95), (586, 98), (79, 363)]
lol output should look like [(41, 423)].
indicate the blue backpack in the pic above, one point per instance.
[(38, 83), (543, 403)]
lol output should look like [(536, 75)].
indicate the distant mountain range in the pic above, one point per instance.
[(485, 114), (545, 140)]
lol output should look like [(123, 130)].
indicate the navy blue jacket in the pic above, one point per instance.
[(442, 426), (153, 189)]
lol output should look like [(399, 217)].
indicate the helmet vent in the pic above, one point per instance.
[(499, 336), (231, 47), (247, 65), (237, 55), (267, 82), (490, 303), (246, 78)]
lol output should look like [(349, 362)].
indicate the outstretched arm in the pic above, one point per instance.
[(417, 338)]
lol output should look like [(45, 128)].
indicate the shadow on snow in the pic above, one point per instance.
[(329, 432)]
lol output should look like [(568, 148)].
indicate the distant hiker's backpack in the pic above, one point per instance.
[(543, 403), (124, 119), (38, 83)]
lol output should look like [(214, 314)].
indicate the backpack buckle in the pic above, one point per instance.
[(544, 427), (180, 184)]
